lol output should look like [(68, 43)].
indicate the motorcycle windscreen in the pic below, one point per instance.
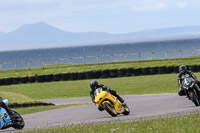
[(97, 91)]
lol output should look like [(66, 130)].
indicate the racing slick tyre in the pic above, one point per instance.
[(110, 109), (126, 111)]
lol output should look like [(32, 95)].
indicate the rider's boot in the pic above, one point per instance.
[(7, 125), (124, 104)]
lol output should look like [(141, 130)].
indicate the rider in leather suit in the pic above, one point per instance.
[(182, 73), (94, 85)]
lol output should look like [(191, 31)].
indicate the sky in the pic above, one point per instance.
[(111, 16)]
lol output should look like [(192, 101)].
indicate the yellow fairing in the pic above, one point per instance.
[(102, 97)]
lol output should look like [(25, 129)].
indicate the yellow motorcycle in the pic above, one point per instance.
[(110, 103)]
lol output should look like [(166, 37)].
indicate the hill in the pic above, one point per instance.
[(42, 35)]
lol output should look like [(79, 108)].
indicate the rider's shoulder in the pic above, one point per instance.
[(101, 85), (189, 72), (179, 75)]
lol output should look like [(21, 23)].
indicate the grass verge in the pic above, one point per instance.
[(150, 84), (178, 124), (29, 110), (16, 97)]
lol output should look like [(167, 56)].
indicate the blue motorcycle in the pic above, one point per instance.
[(6, 121)]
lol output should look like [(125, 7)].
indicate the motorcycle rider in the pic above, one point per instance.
[(94, 85), (10, 113), (183, 72)]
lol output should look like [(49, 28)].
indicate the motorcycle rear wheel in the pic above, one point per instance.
[(110, 109)]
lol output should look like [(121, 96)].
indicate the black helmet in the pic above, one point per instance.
[(182, 68), (93, 84)]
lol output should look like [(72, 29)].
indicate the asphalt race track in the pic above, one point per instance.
[(141, 107)]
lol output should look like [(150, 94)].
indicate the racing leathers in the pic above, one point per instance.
[(181, 76)]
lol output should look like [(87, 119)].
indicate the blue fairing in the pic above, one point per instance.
[(4, 117)]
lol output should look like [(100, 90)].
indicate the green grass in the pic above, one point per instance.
[(178, 124), (29, 110), (16, 97), (151, 84), (101, 66)]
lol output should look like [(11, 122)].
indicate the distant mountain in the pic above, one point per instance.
[(42, 35)]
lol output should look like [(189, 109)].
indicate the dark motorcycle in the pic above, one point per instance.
[(190, 90)]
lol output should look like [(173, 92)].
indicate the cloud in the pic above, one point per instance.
[(182, 4), (76, 15), (150, 7)]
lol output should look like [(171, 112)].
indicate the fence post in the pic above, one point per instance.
[(15, 65), (153, 55), (43, 64), (139, 56), (29, 68), (180, 54), (125, 57), (84, 60), (69, 60), (56, 63), (66, 61), (111, 58), (166, 55), (98, 59), (193, 53)]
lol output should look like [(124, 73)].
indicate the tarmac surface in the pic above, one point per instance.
[(141, 107)]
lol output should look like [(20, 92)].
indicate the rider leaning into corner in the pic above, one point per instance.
[(182, 73), (3, 105), (94, 85), (10, 113)]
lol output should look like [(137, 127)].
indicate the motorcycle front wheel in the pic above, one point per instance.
[(18, 121), (194, 98), (126, 110), (110, 109)]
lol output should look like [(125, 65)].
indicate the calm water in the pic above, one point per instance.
[(59, 53)]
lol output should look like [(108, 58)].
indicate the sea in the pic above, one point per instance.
[(64, 53)]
